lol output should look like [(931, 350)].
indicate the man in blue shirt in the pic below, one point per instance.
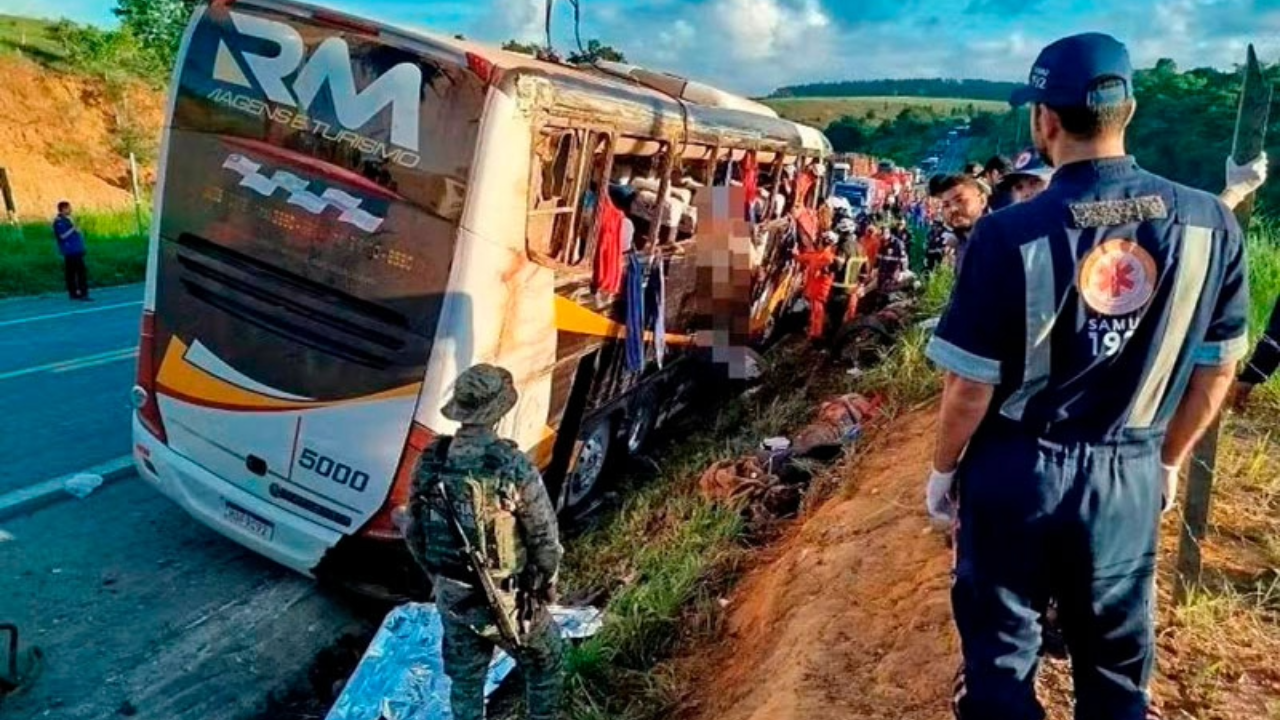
[(1092, 338), (71, 246)]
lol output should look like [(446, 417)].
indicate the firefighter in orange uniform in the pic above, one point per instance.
[(818, 279)]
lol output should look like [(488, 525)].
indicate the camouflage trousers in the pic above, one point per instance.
[(470, 637)]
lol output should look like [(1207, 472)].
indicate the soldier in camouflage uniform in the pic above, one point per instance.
[(500, 501)]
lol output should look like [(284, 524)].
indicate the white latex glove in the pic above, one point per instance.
[(1243, 180), (1169, 500), (937, 496)]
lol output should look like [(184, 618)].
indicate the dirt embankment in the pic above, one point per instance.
[(63, 137), (852, 618)]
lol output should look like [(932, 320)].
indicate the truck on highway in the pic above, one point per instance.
[(859, 192), (840, 172), (348, 215)]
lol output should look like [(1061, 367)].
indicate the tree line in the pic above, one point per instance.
[(1183, 128), (920, 87), (143, 47)]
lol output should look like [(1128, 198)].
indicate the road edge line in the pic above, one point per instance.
[(24, 501)]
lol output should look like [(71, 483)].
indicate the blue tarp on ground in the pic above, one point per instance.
[(401, 676)]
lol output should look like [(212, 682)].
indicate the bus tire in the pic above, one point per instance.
[(642, 416), (591, 453)]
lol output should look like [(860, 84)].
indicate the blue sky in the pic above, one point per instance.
[(753, 46)]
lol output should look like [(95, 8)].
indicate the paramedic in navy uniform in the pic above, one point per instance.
[(1091, 340)]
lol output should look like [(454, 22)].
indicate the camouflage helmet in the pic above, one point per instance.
[(482, 395)]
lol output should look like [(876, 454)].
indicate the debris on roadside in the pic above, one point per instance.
[(401, 676), (82, 485), (747, 485), (771, 483)]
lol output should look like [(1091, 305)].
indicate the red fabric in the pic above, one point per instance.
[(808, 224), (804, 184), (750, 170), (608, 262)]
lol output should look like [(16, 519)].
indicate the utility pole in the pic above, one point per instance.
[(1250, 139)]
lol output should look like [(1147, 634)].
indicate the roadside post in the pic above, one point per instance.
[(10, 208), (1250, 137), (137, 198)]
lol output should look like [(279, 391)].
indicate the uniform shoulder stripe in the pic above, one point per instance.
[(1107, 213)]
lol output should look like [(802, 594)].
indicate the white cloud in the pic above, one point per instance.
[(754, 46), (765, 29), (523, 20)]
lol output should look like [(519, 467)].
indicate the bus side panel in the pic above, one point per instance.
[(499, 307)]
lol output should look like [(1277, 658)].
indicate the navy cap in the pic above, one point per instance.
[(1029, 162), (1067, 73)]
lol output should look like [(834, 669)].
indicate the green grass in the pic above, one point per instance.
[(30, 38), (821, 111), (1264, 270), (30, 264)]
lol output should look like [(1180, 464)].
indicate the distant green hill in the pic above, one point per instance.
[(821, 112), (993, 90)]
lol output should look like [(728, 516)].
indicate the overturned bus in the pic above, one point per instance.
[(348, 215)]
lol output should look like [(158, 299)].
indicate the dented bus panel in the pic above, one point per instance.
[(349, 215)]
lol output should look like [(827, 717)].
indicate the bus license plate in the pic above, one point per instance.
[(246, 520)]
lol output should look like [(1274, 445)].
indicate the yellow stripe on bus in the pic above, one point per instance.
[(572, 317), (190, 383)]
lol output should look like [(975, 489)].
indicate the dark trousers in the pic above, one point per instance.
[(1077, 522), (77, 276)]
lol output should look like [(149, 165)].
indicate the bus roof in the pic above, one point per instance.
[(588, 94)]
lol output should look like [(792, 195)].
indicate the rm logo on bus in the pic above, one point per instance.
[(399, 87)]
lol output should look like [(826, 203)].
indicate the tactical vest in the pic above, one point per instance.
[(484, 502)]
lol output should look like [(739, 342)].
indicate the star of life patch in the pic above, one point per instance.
[(1117, 278)]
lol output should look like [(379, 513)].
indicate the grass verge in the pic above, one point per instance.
[(663, 558), (30, 264)]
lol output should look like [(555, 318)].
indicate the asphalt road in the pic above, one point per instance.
[(141, 611), (953, 160), (65, 373)]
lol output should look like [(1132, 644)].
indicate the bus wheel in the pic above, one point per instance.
[(588, 466), (643, 417)]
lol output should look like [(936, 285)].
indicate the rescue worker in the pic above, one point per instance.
[(818, 279), (1028, 177), (850, 263), (893, 259), (498, 497), (1092, 338)]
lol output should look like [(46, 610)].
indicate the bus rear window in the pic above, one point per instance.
[(398, 118)]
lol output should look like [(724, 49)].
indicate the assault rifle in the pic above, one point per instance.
[(506, 623)]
